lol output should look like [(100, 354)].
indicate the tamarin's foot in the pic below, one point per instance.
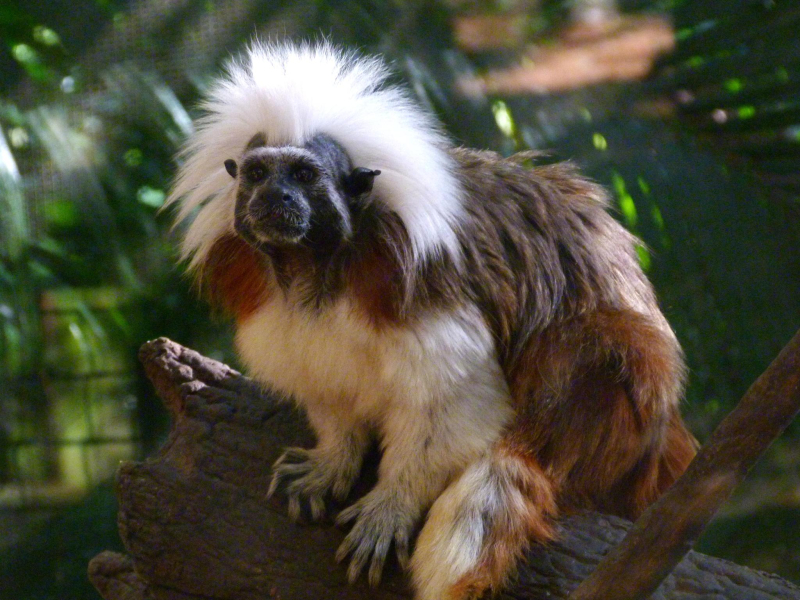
[(308, 476), (382, 517)]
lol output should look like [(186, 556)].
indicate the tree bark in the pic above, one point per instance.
[(196, 524)]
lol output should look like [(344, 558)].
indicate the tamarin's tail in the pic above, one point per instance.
[(655, 471), (479, 527)]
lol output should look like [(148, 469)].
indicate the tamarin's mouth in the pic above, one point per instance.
[(275, 224)]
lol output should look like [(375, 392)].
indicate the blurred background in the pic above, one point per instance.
[(687, 110)]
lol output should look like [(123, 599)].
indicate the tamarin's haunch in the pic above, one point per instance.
[(486, 321)]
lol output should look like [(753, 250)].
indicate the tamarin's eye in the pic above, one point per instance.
[(256, 173), (304, 175)]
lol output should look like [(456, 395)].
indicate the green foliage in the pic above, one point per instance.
[(87, 271)]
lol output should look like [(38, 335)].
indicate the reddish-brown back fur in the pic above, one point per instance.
[(597, 406), (594, 371)]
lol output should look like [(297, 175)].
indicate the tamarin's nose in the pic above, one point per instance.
[(276, 198), (282, 195)]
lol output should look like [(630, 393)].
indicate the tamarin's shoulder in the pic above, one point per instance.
[(490, 180)]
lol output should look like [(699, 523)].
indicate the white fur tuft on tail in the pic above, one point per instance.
[(479, 526)]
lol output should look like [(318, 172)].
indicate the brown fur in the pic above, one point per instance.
[(595, 372), (236, 277), (374, 269)]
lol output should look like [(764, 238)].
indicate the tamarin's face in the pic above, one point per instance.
[(291, 195)]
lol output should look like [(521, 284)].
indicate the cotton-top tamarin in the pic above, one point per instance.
[(487, 321)]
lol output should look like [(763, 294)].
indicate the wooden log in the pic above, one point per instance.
[(196, 524)]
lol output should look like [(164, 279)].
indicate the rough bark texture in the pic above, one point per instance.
[(196, 523)]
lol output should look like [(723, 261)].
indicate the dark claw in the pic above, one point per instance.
[(401, 548), (292, 464)]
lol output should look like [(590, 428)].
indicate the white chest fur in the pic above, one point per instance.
[(336, 358)]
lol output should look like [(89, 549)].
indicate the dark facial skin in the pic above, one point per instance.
[(290, 195)]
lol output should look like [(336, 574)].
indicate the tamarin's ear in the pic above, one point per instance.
[(230, 167), (360, 181), (256, 141)]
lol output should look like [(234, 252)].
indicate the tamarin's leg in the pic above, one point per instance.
[(597, 400), (480, 526), (596, 427)]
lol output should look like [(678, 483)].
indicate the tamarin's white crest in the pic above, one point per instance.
[(290, 93), (486, 321)]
